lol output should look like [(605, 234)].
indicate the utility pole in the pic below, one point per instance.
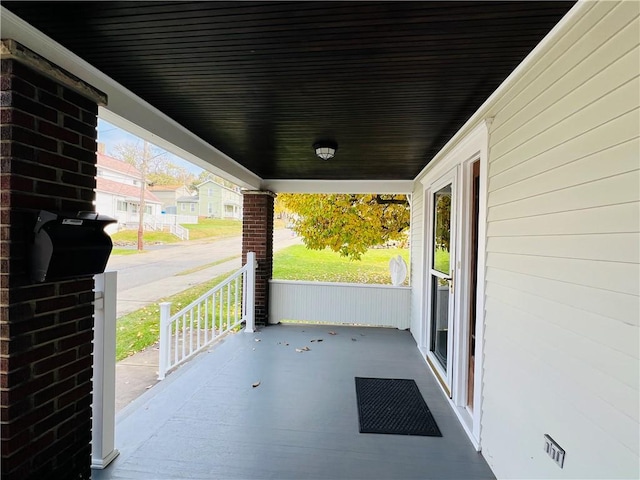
[(143, 184)]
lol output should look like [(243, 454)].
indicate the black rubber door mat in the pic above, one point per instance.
[(393, 406)]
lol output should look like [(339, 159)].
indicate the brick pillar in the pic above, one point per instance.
[(48, 143), (257, 236)]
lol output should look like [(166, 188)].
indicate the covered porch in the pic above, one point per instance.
[(206, 420)]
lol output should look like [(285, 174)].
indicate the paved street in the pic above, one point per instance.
[(165, 270)]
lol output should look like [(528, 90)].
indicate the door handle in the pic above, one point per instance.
[(450, 280)]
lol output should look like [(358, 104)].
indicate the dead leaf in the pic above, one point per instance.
[(257, 340), (303, 349), (254, 385), (332, 333), (148, 387), (299, 350), (317, 340), (354, 339)]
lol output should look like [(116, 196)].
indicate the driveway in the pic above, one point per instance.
[(145, 278)]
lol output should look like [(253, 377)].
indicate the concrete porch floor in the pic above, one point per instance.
[(206, 421)]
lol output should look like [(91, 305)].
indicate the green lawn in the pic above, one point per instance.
[(214, 228), (148, 237), (299, 263), (141, 329)]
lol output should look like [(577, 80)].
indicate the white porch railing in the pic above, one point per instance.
[(340, 303), (163, 223), (204, 320)]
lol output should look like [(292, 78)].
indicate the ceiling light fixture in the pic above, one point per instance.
[(325, 149)]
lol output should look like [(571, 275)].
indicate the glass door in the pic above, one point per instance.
[(441, 278)]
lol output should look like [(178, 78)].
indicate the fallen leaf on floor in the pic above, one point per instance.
[(254, 385), (303, 349), (354, 339), (332, 333), (257, 340), (286, 344), (148, 387), (317, 340)]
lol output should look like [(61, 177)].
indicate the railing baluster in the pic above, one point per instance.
[(175, 326), (213, 316), (235, 303), (220, 330), (191, 332), (198, 330), (206, 320), (229, 305), (184, 335)]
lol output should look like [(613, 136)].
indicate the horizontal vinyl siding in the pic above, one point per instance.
[(417, 262), (563, 250)]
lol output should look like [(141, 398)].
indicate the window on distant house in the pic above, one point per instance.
[(147, 208), (209, 191), (193, 207), (209, 208), (121, 206), (183, 207)]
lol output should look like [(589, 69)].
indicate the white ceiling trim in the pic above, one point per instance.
[(127, 110), (338, 186)]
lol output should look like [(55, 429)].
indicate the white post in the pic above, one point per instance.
[(165, 339), (250, 325), (103, 449)]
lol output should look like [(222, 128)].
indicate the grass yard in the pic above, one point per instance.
[(141, 329), (131, 236), (214, 228), (299, 263)]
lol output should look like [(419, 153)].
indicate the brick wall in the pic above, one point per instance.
[(257, 236), (48, 144)]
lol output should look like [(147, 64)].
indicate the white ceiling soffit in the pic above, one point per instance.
[(127, 110), (339, 186)]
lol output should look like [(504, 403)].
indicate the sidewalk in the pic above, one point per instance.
[(135, 375)]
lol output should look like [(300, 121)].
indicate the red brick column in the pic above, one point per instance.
[(48, 162), (257, 236)]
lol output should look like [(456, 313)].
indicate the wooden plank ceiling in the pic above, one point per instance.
[(390, 82)]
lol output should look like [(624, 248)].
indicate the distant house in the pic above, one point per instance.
[(118, 192), (169, 195), (218, 201), (187, 205)]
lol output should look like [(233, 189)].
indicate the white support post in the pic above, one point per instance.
[(251, 293), (103, 449), (165, 339)]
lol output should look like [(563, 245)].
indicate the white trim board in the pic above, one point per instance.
[(339, 186)]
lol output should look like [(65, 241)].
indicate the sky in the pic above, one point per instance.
[(111, 135)]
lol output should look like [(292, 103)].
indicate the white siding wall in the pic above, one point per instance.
[(562, 279)]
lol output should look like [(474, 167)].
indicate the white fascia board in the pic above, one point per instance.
[(127, 110), (339, 186), (484, 112)]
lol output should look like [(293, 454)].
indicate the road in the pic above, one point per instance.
[(163, 271)]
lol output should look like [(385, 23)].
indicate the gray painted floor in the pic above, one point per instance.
[(207, 421)]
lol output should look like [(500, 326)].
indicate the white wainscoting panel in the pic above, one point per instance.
[(340, 303)]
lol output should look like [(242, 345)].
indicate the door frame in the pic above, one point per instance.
[(460, 158), (446, 378)]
